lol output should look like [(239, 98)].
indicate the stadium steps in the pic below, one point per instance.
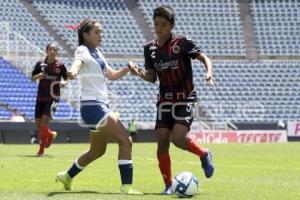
[(248, 29), (39, 17), (139, 18)]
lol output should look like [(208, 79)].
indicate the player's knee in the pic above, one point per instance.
[(163, 147), (177, 141)]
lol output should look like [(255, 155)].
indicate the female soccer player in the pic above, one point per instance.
[(94, 71), (168, 57), (49, 71)]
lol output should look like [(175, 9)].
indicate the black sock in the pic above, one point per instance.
[(126, 171), (75, 169)]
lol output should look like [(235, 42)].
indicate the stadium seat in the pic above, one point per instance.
[(277, 27), (216, 26), (118, 23)]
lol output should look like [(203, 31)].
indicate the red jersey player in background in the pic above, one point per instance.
[(168, 57), (49, 73)]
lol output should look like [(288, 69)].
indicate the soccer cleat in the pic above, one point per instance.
[(207, 164), (127, 189), (40, 154), (65, 179), (168, 190), (51, 137)]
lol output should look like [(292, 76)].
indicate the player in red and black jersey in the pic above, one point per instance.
[(49, 73), (168, 57)]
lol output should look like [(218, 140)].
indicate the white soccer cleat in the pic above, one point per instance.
[(65, 179), (127, 189)]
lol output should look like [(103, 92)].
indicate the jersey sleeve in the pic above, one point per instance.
[(63, 72), (190, 48), (81, 53), (147, 57), (36, 69)]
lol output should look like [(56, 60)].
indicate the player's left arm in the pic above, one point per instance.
[(64, 75), (191, 49), (208, 66), (113, 74)]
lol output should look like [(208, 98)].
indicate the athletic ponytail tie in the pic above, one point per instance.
[(73, 27), (81, 26)]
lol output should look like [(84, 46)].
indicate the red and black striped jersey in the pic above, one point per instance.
[(49, 87), (172, 63)]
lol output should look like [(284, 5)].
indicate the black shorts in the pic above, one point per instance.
[(169, 114), (47, 108)]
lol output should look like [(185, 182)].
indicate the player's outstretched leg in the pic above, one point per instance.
[(97, 149), (52, 135), (65, 179), (180, 140), (207, 164)]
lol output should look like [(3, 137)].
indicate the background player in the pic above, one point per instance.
[(94, 108), (168, 57), (49, 73)]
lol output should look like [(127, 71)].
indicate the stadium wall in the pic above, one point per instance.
[(68, 132), (25, 132)]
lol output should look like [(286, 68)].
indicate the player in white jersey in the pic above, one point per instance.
[(93, 70)]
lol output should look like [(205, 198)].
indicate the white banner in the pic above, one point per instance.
[(294, 128), (272, 136), (247, 136)]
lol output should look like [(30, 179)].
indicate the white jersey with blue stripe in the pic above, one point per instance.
[(92, 74)]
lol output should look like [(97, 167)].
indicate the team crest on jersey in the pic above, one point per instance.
[(176, 49), (57, 70)]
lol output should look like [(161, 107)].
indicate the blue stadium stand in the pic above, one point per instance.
[(5, 114), (215, 25), (277, 27), (19, 92), (23, 23), (122, 34)]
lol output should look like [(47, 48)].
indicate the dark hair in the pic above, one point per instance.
[(85, 27), (52, 43), (166, 12)]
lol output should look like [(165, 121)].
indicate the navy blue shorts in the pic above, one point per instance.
[(93, 113)]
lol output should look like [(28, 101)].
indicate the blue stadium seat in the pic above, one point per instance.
[(117, 21), (277, 27), (216, 26)]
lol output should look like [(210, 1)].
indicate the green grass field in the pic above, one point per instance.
[(243, 171)]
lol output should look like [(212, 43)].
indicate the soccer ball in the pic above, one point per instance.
[(185, 184)]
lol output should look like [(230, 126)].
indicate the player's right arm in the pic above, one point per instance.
[(37, 73), (149, 74), (38, 76), (81, 54), (72, 74)]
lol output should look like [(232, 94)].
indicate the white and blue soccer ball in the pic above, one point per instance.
[(185, 184)]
